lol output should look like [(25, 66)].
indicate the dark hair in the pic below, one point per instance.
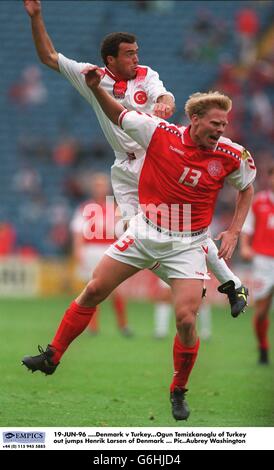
[(111, 43)]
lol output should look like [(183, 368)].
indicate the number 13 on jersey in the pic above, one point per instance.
[(190, 177)]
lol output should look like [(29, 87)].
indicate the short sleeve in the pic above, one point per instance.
[(139, 126), (245, 174), (155, 86), (72, 72)]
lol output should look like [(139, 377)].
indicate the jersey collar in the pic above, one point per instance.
[(187, 139)]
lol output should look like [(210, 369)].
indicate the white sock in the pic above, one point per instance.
[(205, 321), (162, 315), (218, 266)]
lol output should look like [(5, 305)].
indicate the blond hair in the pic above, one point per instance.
[(200, 103)]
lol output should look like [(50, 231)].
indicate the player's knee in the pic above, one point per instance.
[(185, 320), (94, 292)]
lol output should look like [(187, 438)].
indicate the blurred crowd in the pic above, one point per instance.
[(247, 77)]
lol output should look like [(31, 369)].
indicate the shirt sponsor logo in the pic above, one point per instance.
[(174, 149), (24, 436), (215, 168), (140, 97)]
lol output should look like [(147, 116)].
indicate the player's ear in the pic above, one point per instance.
[(110, 60), (194, 118)]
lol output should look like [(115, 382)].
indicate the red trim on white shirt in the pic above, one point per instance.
[(141, 74), (121, 117), (110, 74)]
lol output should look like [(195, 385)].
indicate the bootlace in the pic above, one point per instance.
[(41, 350)]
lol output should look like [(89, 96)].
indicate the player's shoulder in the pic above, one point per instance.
[(231, 149), (144, 72), (66, 61), (171, 129)]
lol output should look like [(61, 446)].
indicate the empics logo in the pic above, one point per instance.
[(9, 435), (24, 437)]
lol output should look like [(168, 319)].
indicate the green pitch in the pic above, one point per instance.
[(110, 380)]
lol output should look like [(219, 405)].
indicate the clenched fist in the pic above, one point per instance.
[(93, 75), (33, 7)]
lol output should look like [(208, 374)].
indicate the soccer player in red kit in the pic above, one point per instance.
[(136, 87), (183, 172), (257, 244)]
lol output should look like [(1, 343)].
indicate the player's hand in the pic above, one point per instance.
[(93, 75), (33, 7), (247, 253), (163, 111), (228, 244)]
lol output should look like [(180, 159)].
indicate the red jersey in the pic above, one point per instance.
[(96, 222), (177, 172), (260, 223)]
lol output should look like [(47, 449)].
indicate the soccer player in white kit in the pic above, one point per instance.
[(191, 167), (257, 244), (139, 88)]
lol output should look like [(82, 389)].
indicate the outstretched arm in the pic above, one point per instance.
[(229, 238), (109, 105), (44, 47)]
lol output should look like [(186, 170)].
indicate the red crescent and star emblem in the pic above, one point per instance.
[(140, 97)]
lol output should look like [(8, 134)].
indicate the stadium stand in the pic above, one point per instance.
[(186, 43)]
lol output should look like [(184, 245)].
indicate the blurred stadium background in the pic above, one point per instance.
[(50, 145)]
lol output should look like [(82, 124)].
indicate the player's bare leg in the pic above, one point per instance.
[(106, 277), (187, 296)]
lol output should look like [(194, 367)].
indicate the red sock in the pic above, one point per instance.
[(120, 310), (74, 321), (261, 326), (183, 359)]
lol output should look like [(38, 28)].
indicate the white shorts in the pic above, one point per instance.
[(125, 179), (263, 277), (91, 254), (141, 246), (163, 281)]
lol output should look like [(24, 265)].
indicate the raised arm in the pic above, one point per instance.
[(109, 105), (44, 47)]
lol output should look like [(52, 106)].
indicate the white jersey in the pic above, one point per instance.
[(139, 94)]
